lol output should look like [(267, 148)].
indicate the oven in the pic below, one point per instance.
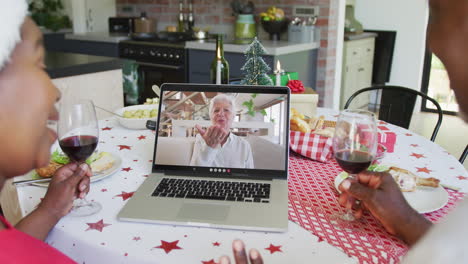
[(157, 62)]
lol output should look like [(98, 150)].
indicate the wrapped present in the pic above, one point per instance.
[(387, 138), (285, 77), (311, 145), (305, 103)]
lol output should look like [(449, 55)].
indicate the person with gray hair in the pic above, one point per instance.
[(216, 146)]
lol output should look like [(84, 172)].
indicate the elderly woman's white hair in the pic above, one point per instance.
[(12, 15), (222, 97)]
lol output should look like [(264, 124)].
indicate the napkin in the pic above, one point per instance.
[(311, 145)]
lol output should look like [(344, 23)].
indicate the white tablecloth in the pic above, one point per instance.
[(101, 237)]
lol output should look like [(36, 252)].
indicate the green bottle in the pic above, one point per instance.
[(219, 71)]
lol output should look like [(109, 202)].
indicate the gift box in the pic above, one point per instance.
[(285, 77), (387, 138), (305, 103), (312, 146)]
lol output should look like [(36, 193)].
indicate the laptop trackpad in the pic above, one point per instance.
[(203, 211)]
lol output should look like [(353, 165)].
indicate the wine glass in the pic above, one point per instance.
[(355, 144), (78, 133)]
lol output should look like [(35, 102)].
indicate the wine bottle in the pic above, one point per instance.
[(219, 70), (190, 19), (181, 18)]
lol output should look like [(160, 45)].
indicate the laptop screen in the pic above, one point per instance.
[(222, 129)]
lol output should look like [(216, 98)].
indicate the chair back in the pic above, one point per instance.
[(395, 104), (464, 154)]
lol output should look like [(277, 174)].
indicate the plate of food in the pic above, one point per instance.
[(103, 164), (423, 194)]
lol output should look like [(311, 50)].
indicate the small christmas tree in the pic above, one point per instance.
[(255, 68)]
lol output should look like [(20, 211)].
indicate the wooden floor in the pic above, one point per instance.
[(452, 136)]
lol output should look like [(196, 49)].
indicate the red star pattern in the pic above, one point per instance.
[(424, 169), (169, 246), (106, 128), (418, 156), (125, 195), (216, 244), (274, 249), (141, 137), (127, 169), (414, 145), (103, 190), (462, 178), (135, 160), (209, 262), (121, 147), (99, 225), (136, 238), (408, 134)]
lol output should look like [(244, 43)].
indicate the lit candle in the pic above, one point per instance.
[(278, 73)]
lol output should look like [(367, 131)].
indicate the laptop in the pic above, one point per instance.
[(220, 159)]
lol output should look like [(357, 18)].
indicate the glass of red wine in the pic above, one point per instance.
[(78, 133), (355, 144)]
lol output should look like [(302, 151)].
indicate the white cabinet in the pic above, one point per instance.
[(358, 58)]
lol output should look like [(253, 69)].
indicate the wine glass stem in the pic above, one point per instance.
[(349, 215)]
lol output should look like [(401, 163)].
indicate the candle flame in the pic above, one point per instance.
[(278, 66)]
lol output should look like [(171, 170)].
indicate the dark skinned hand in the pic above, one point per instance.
[(380, 194), (240, 256), (69, 182)]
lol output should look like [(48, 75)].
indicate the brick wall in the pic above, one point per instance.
[(214, 12)]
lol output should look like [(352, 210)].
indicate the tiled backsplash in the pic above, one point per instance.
[(217, 14)]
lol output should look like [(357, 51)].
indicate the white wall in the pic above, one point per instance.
[(409, 19)]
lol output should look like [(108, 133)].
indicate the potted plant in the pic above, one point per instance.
[(245, 29), (49, 14)]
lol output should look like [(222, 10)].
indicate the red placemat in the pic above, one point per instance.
[(313, 204)]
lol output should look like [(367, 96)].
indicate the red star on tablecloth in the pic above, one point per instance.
[(274, 249), (424, 169), (136, 238), (99, 225), (169, 246), (418, 156), (414, 145), (106, 128), (216, 244), (462, 178), (121, 147), (127, 169), (408, 134), (103, 190), (209, 262), (135, 160), (141, 137), (125, 195)]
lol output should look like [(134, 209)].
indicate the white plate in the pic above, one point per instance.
[(423, 200), (106, 173)]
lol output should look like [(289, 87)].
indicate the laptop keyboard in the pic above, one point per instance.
[(214, 190)]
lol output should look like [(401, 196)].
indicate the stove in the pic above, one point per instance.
[(159, 61)]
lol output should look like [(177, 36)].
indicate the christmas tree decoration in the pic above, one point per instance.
[(255, 68)]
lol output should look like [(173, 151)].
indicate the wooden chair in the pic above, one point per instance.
[(395, 106)]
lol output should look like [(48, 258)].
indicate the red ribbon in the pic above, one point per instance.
[(296, 86)]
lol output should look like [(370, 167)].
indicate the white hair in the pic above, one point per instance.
[(12, 15), (222, 97)]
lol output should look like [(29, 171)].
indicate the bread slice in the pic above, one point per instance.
[(408, 181), (103, 162)]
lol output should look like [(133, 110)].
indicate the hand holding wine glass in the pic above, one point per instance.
[(355, 144), (78, 137)]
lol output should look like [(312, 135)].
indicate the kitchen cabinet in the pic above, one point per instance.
[(303, 62), (58, 42), (358, 58)]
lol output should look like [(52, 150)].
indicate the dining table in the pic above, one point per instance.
[(314, 234)]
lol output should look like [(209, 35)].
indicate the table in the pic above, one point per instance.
[(312, 199)]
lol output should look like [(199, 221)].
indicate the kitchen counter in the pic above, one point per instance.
[(63, 64), (273, 48), (98, 37)]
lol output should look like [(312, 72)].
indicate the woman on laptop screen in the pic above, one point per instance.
[(216, 146)]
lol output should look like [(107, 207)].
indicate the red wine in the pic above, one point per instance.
[(354, 162), (79, 148)]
